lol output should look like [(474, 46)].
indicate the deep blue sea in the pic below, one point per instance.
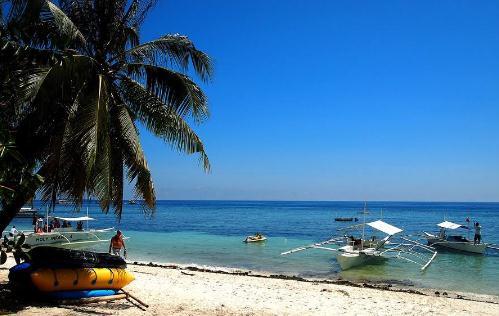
[(211, 233)]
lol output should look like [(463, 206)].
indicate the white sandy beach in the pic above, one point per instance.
[(180, 291), (170, 291)]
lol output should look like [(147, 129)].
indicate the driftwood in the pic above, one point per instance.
[(92, 299), (135, 298)]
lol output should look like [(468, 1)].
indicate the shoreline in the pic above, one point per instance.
[(394, 286), (173, 289)]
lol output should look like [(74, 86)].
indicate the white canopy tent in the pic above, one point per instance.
[(75, 219), (385, 227), (449, 225)]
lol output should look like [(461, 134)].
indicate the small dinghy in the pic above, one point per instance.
[(256, 238), (346, 219)]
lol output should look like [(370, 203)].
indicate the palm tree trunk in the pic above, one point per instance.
[(21, 196), (11, 209)]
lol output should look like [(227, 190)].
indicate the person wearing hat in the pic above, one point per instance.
[(116, 244)]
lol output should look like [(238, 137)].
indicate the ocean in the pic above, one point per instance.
[(211, 233)]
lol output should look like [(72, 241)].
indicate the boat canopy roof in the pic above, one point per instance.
[(74, 219), (449, 225), (385, 227)]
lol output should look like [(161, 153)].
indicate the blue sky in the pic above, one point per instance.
[(340, 100)]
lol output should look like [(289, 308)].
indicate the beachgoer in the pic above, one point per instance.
[(35, 220), (442, 233), (116, 244), (13, 231), (478, 233), (39, 225)]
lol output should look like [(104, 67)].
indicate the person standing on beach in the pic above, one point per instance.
[(116, 244), (13, 231), (478, 233)]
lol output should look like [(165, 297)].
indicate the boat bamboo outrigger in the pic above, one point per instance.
[(352, 252), (455, 242)]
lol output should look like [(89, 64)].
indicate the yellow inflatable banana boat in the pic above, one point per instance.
[(49, 280)]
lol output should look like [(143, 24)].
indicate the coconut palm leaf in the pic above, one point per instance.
[(29, 82), (134, 159), (162, 122), (50, 13), (174, 89), (173, 50)]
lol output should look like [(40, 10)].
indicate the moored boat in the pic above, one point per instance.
[(362, 251), (346, 219), (256, 238), (70, 236), (454, 242)]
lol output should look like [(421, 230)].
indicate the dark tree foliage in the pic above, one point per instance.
[(75, 81)]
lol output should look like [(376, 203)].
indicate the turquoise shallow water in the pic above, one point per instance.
[(211, 233)]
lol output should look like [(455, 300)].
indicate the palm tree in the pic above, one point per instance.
[(82, 81)]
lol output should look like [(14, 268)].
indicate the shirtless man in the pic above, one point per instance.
[(116, 244)]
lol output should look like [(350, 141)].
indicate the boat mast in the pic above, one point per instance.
[(363, 226), (469, 220), (88, 202), (47, 215)]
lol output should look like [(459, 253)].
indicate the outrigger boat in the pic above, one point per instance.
[(70, 237), (353, 252), (454, 242)]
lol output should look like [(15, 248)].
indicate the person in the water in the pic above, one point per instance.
[(478, 233), (116, 244)]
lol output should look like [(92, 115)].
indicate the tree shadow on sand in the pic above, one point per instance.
[(13, 302)]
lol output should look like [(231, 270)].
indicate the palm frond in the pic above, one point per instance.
[(65, 26), (174, 89), (92, 114), (134, 159), (59, 160), (116, 178), (28, 82), (132, 36), (164, 123), (143, 8), (173, 50)]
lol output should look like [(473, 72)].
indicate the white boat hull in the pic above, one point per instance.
[(349, 260), (435, 241), (75, 239)]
